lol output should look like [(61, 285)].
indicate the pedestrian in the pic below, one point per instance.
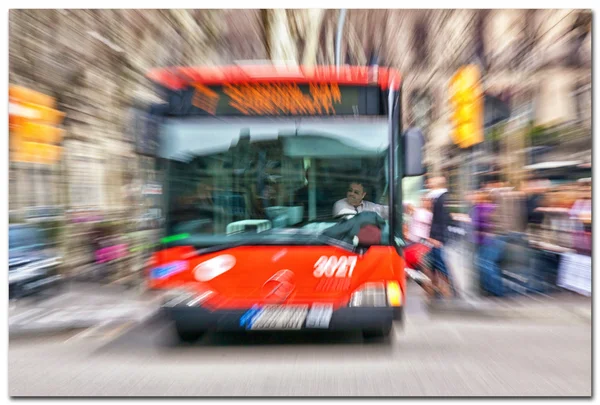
[(534, 198), (438, 236), (420, 223), (417, 249), (483, 239), (581, 217), (481, 219)]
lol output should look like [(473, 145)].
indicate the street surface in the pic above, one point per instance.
[(430, 356), (77, 305)]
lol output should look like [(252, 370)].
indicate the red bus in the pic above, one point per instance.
[(263, 167)]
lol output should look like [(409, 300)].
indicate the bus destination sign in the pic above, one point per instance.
[(275, 99)]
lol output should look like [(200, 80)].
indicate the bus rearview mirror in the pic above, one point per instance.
[(414, 141)]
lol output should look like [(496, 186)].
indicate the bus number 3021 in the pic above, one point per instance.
[(329, 266)]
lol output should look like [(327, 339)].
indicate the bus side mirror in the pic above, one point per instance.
[(413, 152)]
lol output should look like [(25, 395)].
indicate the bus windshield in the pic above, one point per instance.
[(268, 180)]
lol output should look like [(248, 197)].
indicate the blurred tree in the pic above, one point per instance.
[(282, 45), (480, 49), (539, 135), (420, 42), (527, 41), (580, 29)]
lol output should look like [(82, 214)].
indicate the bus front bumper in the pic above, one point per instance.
[(343, 319)]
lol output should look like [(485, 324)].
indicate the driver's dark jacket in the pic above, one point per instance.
[(346, 231)]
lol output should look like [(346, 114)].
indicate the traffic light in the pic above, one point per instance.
[(33, 126), (466, 102)]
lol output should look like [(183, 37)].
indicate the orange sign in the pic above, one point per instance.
[(22, 94), (277, 99), (33, 131), (466, 104), (41, 133), (33, 152)]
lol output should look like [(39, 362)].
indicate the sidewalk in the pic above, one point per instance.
[(565, 305), (79, 306), (558, 307)]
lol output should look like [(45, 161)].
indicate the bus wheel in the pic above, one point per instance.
[(399, 314), (188, 336), (378, 333)]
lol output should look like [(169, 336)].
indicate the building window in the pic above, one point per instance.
[(12, 188), (420, 106), (36, 184), (582, 96), (86, 182), (523, 114), (45, 190)]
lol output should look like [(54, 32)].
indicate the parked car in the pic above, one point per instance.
[(32, 265), (43, 213)]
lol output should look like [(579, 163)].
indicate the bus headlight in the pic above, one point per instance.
[(394, 294), (186, 296), (198, 299), (177, 296), (369, 295)]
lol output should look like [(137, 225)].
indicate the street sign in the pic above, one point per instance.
[(152, 189)]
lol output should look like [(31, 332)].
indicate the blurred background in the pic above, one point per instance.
[(84, 194)]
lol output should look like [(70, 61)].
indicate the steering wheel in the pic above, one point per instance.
[(345, 214)]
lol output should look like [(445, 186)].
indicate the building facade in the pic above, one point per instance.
[(94, 63)]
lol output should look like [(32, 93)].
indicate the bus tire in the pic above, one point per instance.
[(399, 314), (377, 333), (187, 335)]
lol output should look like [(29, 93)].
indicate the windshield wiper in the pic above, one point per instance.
[(224, 246), (282, 242), (337, 243)]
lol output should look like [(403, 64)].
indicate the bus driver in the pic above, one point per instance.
[(354, 203)]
